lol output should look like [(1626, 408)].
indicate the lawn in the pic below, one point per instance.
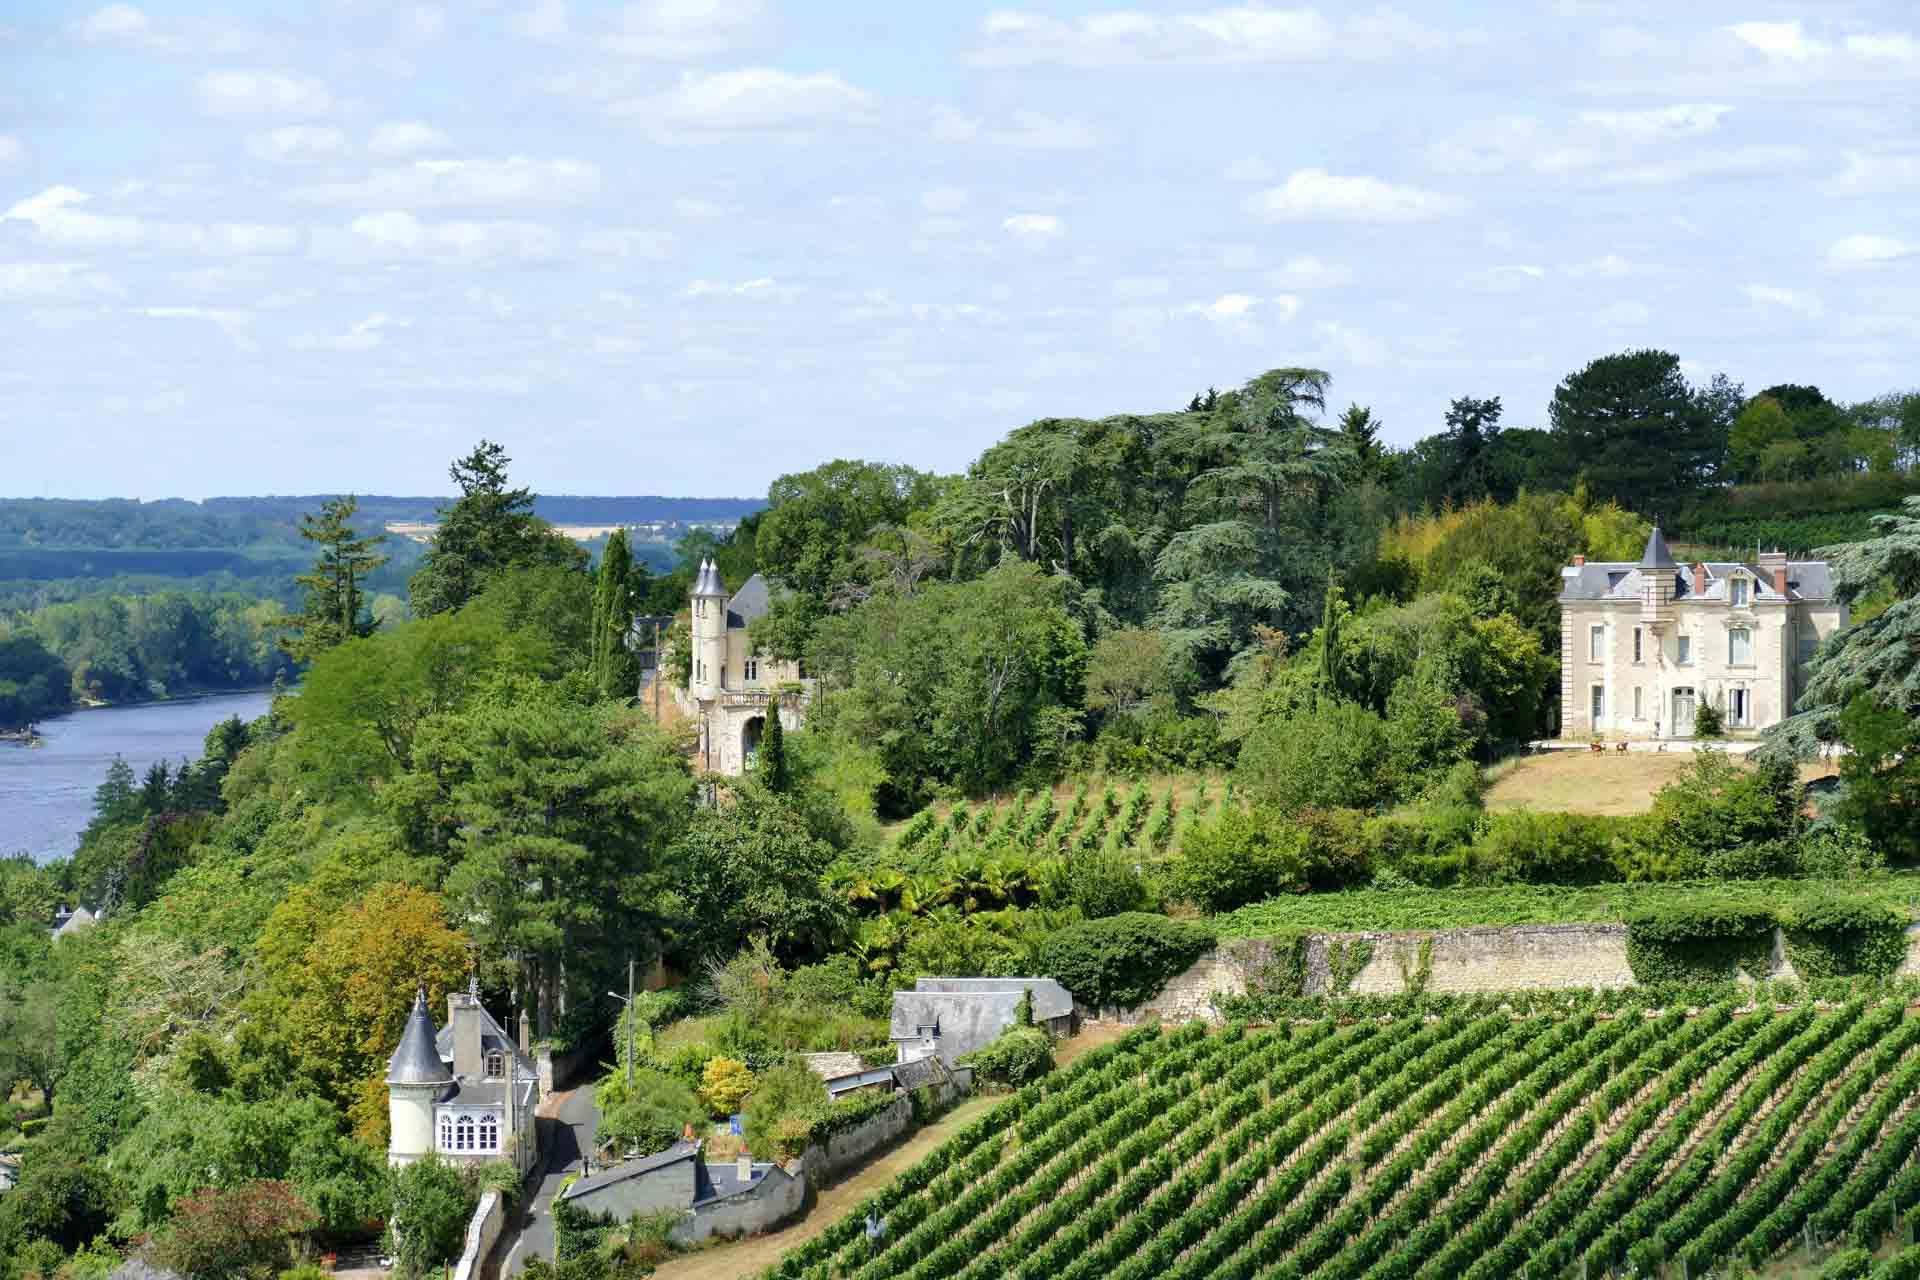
[(1604, 783)]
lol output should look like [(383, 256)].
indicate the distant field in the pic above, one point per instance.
[(1477, 1147), (1605, 783), (1087, 813)]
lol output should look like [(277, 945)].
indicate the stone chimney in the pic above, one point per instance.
[(743, 1165), (1579, 560), (1699, 579), (463, 1015), (1773, 564)]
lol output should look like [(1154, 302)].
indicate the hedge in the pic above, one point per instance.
[(1700, 943), (1021, 1055), (1829, 938), (1122, 960)]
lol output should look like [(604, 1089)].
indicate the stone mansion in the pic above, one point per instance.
[(1643, 645), (733, 687), (465, 1093)]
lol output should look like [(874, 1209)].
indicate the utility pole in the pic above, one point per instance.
[(630, 1020), (659, 670)]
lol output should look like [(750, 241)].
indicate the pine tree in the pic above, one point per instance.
[(489, 528), (115, 800), (612, 665), (773, 768), (336, 606)]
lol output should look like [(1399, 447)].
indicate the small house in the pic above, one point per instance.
[(951, 1017), (735, 1198)]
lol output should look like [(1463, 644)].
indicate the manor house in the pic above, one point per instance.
[(1642, 646), (733, 687), (465, 1093)]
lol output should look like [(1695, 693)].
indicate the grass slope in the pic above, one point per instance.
[(1604, 783), (1477, 1147)]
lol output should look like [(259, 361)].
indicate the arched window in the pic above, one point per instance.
[(489, 1133), (496, 1064), (463, 1134), (446, 1133)]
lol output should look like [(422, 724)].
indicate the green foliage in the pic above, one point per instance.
[(1849, 1264), (612, 666), (432, 1205), (34, 682), (1333, 756), (247, 1231), (648, 1119), (751, 868), (1636, 431), (1237, 857), (772, 768), (780, 1109), (131, 649), (1104, 883), (1836, 937), (490, 528), (335, 608), (1703, 942), (1021, 1055), (1122, 960), (1708, 721)]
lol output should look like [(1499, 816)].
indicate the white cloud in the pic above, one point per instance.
[(298, 143), (1141, 288), (1316, 195), (944, 199), (57, 215), (1034, 226), (1870, 171), (1238, 311), (51, 279), (1028, 130), (1858, 250), (1352, 345), (1895, 46), (1308, 272), (405, 138), (13, 152), (517, 180), (546, 20), (1236, 35), (398, 235), (1767, 295), (132, 28), (1784, 40), (680, 30), (364, 335), (764, 288), (115, 24), (1660, 124), (713, 106), (238, 94), (421, 23), (236, 325), (1608, 266), (628, 242)]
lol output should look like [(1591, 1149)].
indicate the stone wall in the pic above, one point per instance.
[(845, 1150), (560, 1071), (488, 1220), (774, 1197), (1510, 958)]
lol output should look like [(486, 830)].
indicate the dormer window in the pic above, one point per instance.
[(1737, 592), (496, 1065)]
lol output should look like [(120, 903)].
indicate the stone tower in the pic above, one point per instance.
[(416, 1077), (709, 632), (1659, 579)]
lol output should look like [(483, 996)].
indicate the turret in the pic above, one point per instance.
[(416, 1077), (709, 631), (1659, 578)]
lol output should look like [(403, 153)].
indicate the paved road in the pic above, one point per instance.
[(563, 1139)]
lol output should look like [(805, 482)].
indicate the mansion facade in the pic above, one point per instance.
[(465, 1093), (733, 687), (1643, 646)]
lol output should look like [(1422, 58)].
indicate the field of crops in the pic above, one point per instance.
[(1143, 817), (1464, 1146)]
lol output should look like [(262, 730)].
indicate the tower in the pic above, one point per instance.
[(709, 631), (416, 1077), (1659, 577)]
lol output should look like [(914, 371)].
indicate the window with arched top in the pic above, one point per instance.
[(446, 1133), (463, 1134), (489, 1133), (496, 1064)]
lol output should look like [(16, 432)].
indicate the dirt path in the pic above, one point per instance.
[(748, 1257)]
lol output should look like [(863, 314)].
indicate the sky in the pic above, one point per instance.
[(685, 246)]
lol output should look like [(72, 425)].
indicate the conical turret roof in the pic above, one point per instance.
[(1656, 556), (417, 1061), (709, 583)]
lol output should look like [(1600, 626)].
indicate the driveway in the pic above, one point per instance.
[(563, 1138)]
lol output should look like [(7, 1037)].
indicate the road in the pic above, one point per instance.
[(563, 1139)]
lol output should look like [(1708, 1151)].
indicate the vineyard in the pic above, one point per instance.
[(1472, 1145)]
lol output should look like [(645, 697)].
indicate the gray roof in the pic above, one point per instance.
[(1807, 580), (969, 1012), (1656, 556), (709, 583), (751, 601), (490, 1093), (924, 1071), (417, 1060), (633, 1169), (1050, 999), (492, 1037)]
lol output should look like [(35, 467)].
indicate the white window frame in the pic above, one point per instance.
[(446, 1132), (1738, 592), (1683, 650), (496, 1064), (465, 1133), (752, 669), (1597, 642), (489, 1133), (1733, 658)]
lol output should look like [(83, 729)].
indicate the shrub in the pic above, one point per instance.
[(1833, 938), (1334, 757), (1716, 820), (1545, 848), (433, 1204), (724, 1084), (1836, 852), (1853, 1263), (1122, 960), (1707, 721), (1237, 857), (1704, 943), (652, 1118), (1020, 1056), (790, 1089), (248, 1229), (1103, 883), (1337, 853)]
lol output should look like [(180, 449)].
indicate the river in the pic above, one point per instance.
[(46, 792)]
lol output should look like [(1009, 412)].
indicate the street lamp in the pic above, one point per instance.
[(627, 1000)]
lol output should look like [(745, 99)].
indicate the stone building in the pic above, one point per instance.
[(732, 687), (738, 1197), (465, 1093), (950, 1017), (1643, 645)]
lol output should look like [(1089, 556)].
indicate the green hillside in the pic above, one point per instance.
[(1473, 1146)]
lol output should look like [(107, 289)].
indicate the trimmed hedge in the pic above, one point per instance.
[(1826, 939), (1705, 943), (1020, 1056), (1122, 960)]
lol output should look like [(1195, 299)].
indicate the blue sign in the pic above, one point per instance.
[(736, 1125)]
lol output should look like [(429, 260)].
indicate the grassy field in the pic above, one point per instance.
[(1478, 1148), (1604, 783), (1363, 909)]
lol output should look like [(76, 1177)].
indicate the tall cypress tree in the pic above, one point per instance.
[(613, 608), (774, 770)]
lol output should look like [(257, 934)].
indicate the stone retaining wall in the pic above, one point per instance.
[(489, 1218), (852, 1147)]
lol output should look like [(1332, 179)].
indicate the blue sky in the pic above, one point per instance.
[(682, 246)]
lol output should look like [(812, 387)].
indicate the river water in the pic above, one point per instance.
[(46, 792)]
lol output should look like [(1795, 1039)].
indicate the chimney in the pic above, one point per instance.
[(463, 1015), (1578, 561), (1774, 565), (743, 1166), (1699, 578)]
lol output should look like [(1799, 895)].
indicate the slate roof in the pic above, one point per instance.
[(1050, 999), (970, 1012), (924, 1071), (1656, 556), (490, 1093), (417, 1060), (492, 1037), (751, 601), (1807, 580), (633, 1169)]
